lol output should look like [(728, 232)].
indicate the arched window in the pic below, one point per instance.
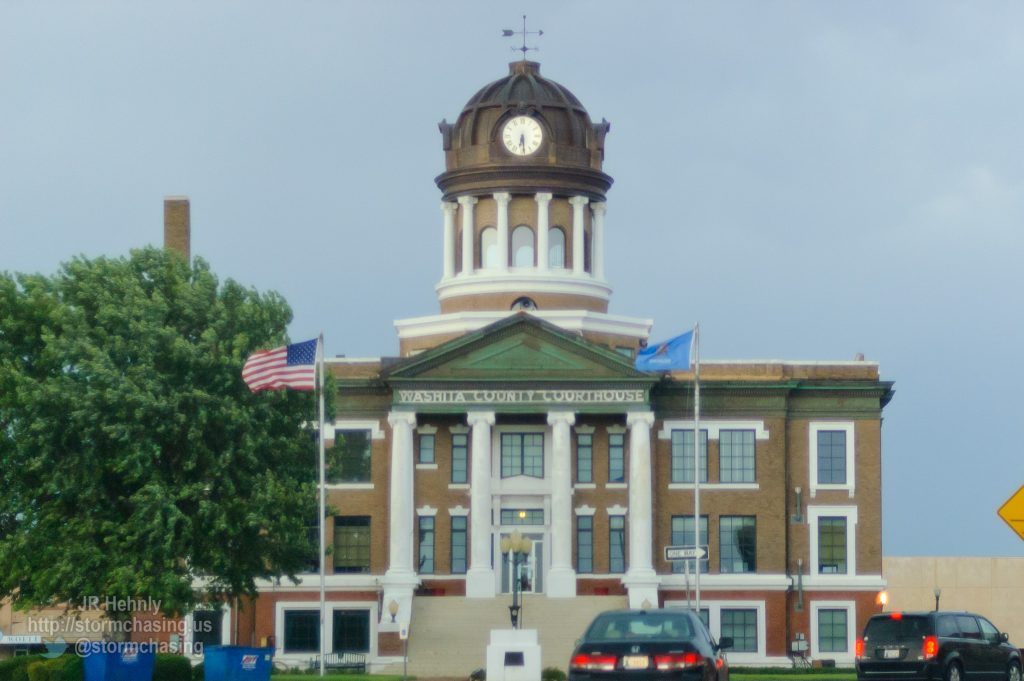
[(488, 248), (522, 247), (556, 248)]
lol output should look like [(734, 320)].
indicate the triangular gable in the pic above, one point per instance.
[(519, 347)]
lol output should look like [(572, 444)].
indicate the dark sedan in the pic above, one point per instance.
[(640, 645)]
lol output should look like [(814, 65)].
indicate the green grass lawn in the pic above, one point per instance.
[(783, 675), (740, 675)]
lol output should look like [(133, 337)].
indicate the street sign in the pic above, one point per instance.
[(686, 552), (1013, 512)]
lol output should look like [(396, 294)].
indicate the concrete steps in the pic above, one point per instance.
[(448, 636)]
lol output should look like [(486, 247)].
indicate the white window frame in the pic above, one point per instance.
[(376, 433), (300, 659), (814, 513), (426, 430), (851, 623), (813, 429), (713, 428), (189, 639), (520, 484), (715, 626)]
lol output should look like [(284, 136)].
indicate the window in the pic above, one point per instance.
[(831, 457), (682, 456), (682, 535), (460, 457), (351, 631), (207, 627), (489, 248), (556, 248), (584, 544), (735, 456), (584, 457), (737, 541), (988, 630), (522, 454), (832, 545), (458, 545), (968, 627), (522, 516), (301, 631), (426, 447), (832, 630), (831, 451), (351, 544), (616, 457), (741, 625), (348, 460), (425, 563), (522, 246), (616, 543)]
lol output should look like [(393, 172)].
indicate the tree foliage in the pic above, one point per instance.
[(133, 459)]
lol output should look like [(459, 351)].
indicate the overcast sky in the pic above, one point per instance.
[(807, 180)]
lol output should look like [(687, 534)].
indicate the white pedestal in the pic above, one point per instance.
[(642, 586), (561, 583), (480, 583), (513, 655)]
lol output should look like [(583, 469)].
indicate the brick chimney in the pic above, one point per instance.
[(177, 225)]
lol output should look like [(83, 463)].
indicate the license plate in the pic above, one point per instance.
[(891, 654), (634, 662)]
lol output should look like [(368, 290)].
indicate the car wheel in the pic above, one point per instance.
[(953, 672), (1013, 673)]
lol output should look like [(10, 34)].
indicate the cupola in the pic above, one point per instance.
[(523, 205)]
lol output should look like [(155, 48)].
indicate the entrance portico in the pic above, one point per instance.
[(521, 449)]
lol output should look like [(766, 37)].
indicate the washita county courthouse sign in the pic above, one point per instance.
[(523, 397)]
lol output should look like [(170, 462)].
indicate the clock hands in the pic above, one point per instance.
[(522, 141)]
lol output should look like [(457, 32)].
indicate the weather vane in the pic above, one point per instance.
[(508, 33)]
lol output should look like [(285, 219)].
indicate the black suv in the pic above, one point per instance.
[(948, 646)]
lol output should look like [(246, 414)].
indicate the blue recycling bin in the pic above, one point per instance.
[(109, 661), (237, 663)]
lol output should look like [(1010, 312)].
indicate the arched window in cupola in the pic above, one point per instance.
[(522, 247)]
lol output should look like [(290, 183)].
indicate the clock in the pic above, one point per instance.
[(522, 135)]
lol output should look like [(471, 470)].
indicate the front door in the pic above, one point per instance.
[(530, 571)]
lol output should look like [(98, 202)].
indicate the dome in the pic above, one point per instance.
[(524, 90), (571, 154)]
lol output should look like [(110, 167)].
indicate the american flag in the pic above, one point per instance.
[(289, 366)]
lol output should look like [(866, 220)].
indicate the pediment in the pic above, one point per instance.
[(517, 348)]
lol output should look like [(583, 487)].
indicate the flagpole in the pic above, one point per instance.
[(696, 459), (321, 494)]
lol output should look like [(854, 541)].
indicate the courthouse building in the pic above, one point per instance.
[(516, 407)]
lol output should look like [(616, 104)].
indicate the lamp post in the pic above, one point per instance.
[(519, 547), (937, 592)]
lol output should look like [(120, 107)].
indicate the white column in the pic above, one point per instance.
[(597, 240), (562, 576), (502, 199), (640, 580), (543, 200), (480, 575), (400, 578), (577, 202), (467, 203), (449, 209)]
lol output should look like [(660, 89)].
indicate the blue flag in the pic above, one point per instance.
[(672, 354)]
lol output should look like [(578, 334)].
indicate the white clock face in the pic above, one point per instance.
[(522, 135)]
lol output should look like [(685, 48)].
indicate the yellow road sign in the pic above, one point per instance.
[(1013, 512)]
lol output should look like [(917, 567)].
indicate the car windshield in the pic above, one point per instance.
[(640, 626), (892, 629)]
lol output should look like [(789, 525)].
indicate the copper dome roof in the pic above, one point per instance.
[(523, 90)]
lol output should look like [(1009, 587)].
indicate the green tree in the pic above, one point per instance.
[(133, 459)]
